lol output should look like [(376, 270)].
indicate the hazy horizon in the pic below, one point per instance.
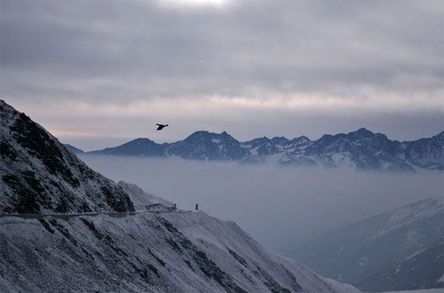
[(285, 204), (100, 143)]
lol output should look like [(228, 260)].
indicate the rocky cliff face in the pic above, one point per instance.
[(38, 174)]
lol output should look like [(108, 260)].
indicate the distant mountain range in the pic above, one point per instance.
[(402, 249), (360, 149)]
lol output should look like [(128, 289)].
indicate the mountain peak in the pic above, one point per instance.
[(207, 134), (140, 147), (38, 174), (141, 140), (361, 133), (301, 139), (199, 133)]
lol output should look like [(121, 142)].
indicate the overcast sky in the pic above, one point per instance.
[(99, 72)]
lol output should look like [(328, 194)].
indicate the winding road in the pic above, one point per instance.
[(90, 214)]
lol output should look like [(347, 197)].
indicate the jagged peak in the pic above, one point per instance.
[(8, 114), (3, 104), (208, 134), (302, 138), (260, 139), (42, 175), (362, 132)]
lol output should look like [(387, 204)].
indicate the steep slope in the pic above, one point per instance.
[(38, 174), (109, 246), (421, 270), (145, 252), (427, 153), (400, 249), (360, 149)]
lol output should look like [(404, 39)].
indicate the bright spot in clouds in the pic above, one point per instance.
[(216, 3)]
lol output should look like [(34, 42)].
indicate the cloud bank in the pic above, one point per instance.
[(278, 206), (336, 62)]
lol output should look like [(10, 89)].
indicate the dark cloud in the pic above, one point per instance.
[(120, 52)]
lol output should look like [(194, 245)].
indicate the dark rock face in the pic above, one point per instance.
[(38, 174), (40, 145)]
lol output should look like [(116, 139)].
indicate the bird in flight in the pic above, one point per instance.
[(161, 126)]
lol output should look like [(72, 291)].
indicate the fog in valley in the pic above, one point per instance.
[(279, 206)]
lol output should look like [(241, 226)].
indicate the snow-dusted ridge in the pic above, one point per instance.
[(38, 174), (360, 149), (66, 228), (397, 250), (149, 252)]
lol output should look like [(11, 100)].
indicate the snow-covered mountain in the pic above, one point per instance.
[(38, 174), (144, 252), (361, 149), (203, 145), (427, 152), (397, 250), (66, 228)]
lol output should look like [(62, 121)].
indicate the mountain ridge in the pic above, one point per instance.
[(360, 149), (390, 251), (38, 174)]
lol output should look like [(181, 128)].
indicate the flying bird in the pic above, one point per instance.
[(161, 126)]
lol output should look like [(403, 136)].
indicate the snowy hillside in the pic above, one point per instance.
[(144, 252), (38, 174), (66, 228), (361, 149), (398, 250)]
